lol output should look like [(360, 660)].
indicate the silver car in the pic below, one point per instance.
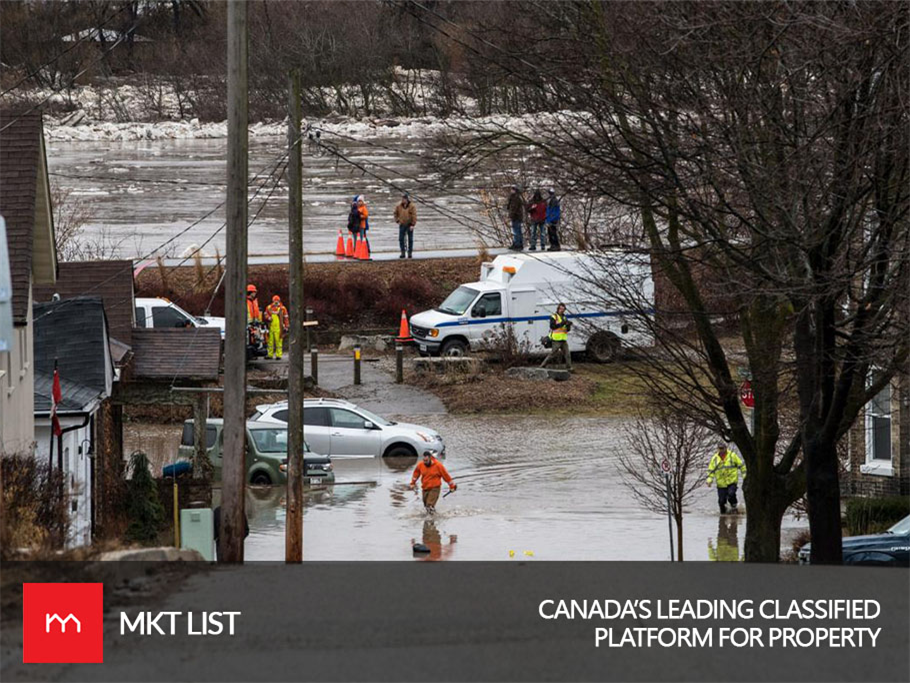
[(343, 430)]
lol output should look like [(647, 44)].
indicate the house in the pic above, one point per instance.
[(25, 204), (879, 443), (71, 335)]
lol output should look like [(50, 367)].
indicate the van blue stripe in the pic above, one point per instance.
[(484, 321)]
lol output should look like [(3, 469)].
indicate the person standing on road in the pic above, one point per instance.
[(354, 219), (364, 214), (406, 217), (537, 212), (724, 469), (554, 213), (253, 314), (516, 209), (276, 316), (431, 473), (559, 337)]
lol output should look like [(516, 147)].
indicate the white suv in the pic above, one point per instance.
[(343, 430)]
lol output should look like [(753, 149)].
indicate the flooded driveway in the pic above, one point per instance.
[(522, 494)]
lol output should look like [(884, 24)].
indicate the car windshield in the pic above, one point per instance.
[(902, 527), (458, 301), (270, 440)]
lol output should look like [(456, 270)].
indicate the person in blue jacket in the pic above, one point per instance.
[(554, 213)]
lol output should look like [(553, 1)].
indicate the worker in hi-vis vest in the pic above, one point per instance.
[(276, 317), (559, 337), (724, 469)]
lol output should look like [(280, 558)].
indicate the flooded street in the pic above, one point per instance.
[(519, 489), (141, 193)]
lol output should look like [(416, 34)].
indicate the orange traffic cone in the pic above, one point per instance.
[(404, 330), (339, 247), (349, 249), (357, 241), (361, 250)]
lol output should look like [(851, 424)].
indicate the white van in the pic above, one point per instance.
[(159, 312), (524, 289)]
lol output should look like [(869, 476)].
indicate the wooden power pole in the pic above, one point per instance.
[(233, 473), (293, 547)]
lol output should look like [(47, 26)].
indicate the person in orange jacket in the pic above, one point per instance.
[(252, 305), (276, 317), (431, 473), (364, 218)]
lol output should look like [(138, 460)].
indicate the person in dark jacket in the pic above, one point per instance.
[(554, 213), (537, 212), (354, 219), (516, 209)]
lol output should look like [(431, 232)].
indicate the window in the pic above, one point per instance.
[(281, 415), (165, 316), (345, 419), (316, 417), (491, 303), (458, 301), (878, 433), (140, 316), (270, 440), (189, 438)]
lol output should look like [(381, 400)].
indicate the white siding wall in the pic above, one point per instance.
[(17, 391)]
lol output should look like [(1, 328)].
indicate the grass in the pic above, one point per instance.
[(612, 390)]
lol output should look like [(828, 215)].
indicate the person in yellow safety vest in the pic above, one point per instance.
[(252, 305), (724, 469), (559, 337), (276, 317)]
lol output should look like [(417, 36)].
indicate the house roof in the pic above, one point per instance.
[(76, 398), (25, 204), (110, 280), (73, 332), (181, 353)]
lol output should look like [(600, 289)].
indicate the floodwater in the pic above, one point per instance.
[(554, 493), (142, 193)]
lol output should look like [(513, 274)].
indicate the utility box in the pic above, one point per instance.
[(197, 531)]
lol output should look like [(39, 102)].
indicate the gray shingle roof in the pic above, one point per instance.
[(20, 156), (76, 397), (182, 353), (74, 333)]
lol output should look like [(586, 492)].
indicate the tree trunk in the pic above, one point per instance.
[(766, 511), (679, 538), (824, 502)]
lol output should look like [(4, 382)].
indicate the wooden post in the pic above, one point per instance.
[(357, 364), (293, 538), (314, 365), (399, 363), (233, 474), (309, 342), (200, 452)]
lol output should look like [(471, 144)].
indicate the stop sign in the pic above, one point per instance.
[(745, 393)]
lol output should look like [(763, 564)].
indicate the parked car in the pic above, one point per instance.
[(891, 548), (159, 312), (522, 290), (343, 430), (266, 455)]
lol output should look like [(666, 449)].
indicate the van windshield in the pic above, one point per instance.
[(458, 301)]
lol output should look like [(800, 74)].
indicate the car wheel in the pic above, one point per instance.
[(454, 348), (261, 479), (400, 451), (603, 347)]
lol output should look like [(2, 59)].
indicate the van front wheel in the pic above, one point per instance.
[(603, 347), (454, 348)]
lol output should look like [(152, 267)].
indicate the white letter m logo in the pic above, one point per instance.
[(49, 618)]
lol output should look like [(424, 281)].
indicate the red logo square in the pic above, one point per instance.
[(62, 623)]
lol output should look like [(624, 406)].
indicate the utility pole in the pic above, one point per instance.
[(233, 474), (293, 538)]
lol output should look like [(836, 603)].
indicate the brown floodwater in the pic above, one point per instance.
[(529, 488)]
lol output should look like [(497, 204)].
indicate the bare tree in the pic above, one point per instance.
[(765, 148), (664, 435)]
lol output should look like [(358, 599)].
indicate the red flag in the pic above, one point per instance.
[(58, 397)]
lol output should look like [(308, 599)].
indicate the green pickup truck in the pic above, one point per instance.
[(266, 453)]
